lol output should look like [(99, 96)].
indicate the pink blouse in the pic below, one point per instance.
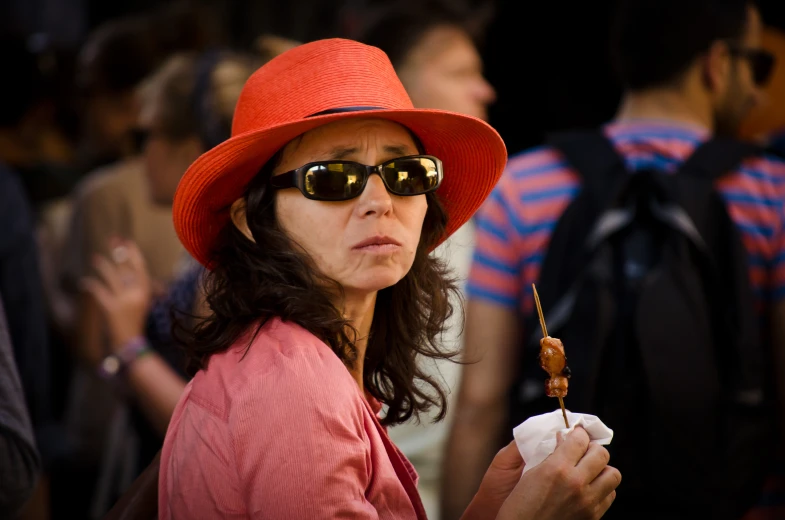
[(282, 432)]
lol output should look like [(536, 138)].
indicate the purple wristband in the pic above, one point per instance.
[(133, 349), (113, 364)]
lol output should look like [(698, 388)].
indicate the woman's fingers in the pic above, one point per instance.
[(573, 447), (125, 267), (135, 258), (109, 273), (605, 505), (133, 269), (593, 462), (508, 458), (606, 483)]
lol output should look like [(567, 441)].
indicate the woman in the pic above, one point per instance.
[(323, 295)]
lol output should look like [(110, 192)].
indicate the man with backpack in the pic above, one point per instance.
[(657, 244)]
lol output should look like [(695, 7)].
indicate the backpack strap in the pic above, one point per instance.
[(696, 213), (602, 170), (718, 156), (591, 154)]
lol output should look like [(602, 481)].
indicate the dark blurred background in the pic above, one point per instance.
[(547, 60)]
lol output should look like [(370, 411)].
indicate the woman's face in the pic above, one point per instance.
[(444, 71), (334, 233)]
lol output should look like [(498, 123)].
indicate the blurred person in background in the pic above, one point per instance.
[(691, 71), (20, 465), (768, 118), (766, 122), (108, 202), (21, 148), (186, 109), (434, 52), (20, 277), (21, 286), (33, 141), (110, 65), (115, 58), (112, 201)]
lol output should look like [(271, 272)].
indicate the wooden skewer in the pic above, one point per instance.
[(545, 335)]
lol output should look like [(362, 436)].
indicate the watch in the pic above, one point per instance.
[(113, 364)]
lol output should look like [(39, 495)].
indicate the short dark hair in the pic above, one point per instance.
[(117, 56), (26, 83), (400, 27), (655, 41), (120, 53)]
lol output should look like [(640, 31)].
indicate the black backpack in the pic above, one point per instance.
[(646, 282)]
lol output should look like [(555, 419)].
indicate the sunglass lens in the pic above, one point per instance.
[(763, 66), (412, 176), (334, 181)]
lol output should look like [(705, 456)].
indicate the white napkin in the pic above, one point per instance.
[(536, 436)]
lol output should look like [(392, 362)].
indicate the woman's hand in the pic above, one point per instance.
[(497, 484), (123, 290), (573, 483)]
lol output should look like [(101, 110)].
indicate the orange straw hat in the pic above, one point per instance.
[(310, 86)]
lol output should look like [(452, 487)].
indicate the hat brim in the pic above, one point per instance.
[(472, 152)]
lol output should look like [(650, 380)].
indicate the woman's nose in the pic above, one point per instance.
[(375, 199)]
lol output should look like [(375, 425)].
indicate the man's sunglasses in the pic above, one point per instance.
[(139, 138), (761, 61), (344, 180)]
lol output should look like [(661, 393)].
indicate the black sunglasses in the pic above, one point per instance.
[(344, 180), (761, 61)]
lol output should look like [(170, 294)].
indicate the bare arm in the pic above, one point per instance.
[(98, 215), (157, 389), (492, 336), (154, 384), (122, 294), (89, 338)]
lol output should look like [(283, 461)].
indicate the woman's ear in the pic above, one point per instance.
[(237, 212)]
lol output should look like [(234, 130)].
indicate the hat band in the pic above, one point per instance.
[(344, 109)]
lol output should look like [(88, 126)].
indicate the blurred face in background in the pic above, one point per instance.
[(166, 158), (110, 118), (444, 71), (738, 93), (175, 128)]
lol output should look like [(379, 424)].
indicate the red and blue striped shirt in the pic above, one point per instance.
[(515, 224)]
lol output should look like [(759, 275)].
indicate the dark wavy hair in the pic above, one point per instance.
[(272, 276)]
